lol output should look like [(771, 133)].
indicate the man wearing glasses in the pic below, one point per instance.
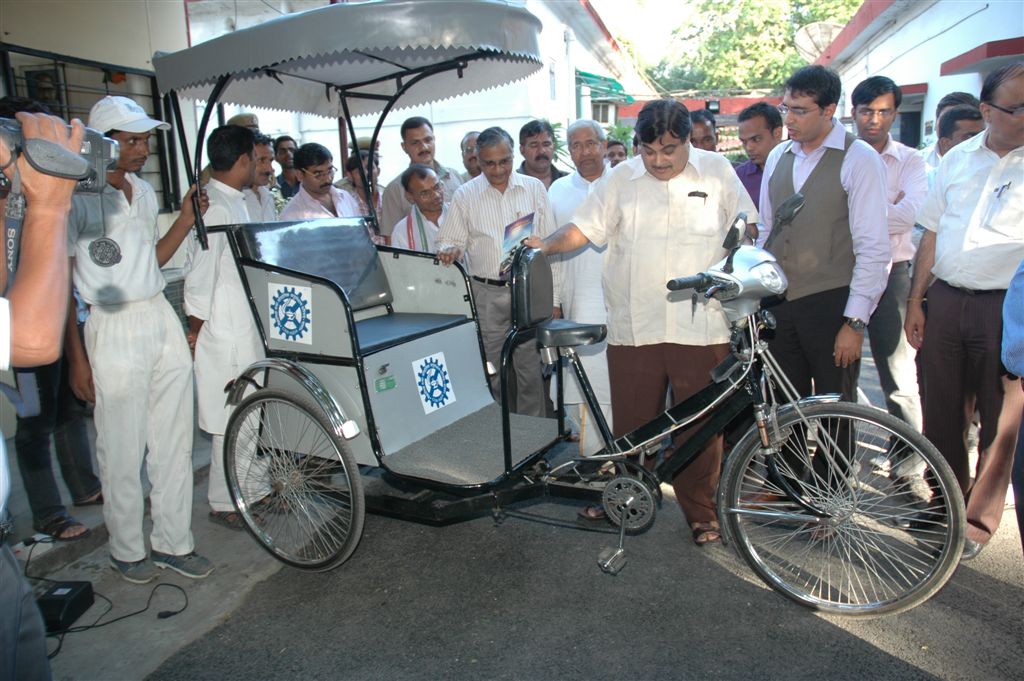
[(317, 196), (875, 104), (972, 245), (836, 251), (417, 231), (537, 145)]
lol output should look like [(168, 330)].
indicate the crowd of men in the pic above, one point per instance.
[(886, 231)]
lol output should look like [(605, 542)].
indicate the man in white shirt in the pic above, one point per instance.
[(932, 154), (876, 102), (317, 196), (258, 199), (662, 215), (227, 340), (475, 225), (32, 315), (580, 293), (417, 231), (418, 143), (138, 369), (973, 244)]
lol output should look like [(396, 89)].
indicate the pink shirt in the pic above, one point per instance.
[(304, 207), (904, 172)]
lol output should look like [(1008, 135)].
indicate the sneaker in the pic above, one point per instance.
[(191, 565), (137, 572)]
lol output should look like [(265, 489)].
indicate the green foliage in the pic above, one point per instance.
[(621, 133), (561, 150), (744, 44)]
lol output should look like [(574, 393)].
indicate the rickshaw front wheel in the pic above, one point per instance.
[(293, 480)]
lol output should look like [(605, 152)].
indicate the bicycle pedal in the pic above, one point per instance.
[(612, 559)]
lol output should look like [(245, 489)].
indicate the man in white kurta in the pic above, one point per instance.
[(228, 341), (580, 292), (663, 214), (258, 199)]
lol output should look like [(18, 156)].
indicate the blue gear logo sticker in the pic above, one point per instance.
[(291, 314), (433, 382)]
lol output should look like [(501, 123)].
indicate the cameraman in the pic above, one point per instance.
[(31, 325)]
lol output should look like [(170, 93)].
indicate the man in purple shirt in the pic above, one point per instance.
[(760, 131), (836, 251)]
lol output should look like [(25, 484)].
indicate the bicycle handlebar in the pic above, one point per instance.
[(696, 281)]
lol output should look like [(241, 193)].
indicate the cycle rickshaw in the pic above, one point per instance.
[(374, 391)]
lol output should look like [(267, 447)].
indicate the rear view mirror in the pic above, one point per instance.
[(788, 209), (732, 239)]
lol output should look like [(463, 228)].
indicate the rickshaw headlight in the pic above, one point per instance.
[(771, 277)]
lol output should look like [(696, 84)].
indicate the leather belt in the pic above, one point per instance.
[(490, 282), (971, 291)]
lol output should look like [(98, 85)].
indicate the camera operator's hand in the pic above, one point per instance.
[(44, 192)]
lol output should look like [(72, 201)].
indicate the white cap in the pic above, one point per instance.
[(121, 113)]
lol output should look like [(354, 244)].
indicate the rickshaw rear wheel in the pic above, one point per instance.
[(819, 521), (293, 480)]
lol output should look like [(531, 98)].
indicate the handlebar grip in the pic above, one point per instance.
[(697, 281)]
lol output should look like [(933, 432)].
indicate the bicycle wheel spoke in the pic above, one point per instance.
[(881, 544)]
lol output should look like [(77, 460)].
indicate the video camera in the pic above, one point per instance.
[(99, 154)]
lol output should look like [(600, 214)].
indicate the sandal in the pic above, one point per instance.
[(59, 526), (705, 533), (228, 519), (592, 512)]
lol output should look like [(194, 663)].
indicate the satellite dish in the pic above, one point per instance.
[(812, 39)]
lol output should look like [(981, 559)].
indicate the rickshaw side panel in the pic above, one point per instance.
[(419, 283), (423, 385), (298, 314)]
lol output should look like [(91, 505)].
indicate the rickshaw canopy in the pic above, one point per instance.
[(365, 52)]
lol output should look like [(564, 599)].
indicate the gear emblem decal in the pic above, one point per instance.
[(291, 315), (433, 382)]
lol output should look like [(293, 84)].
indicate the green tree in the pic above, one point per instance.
[(744, 44)]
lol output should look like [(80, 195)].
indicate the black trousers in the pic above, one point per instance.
[(804, 341)]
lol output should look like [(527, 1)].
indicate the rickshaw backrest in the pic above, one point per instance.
[(312, 248), (532, 288)]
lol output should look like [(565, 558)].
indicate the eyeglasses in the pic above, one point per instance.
[(868, 114), (589, 145), (321, 174), (1016, 112), (427, 194), (798, 112)]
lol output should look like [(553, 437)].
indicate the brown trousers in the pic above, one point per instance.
[(640, 377), (963, 374)]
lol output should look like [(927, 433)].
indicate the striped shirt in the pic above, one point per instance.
[(479, 213)]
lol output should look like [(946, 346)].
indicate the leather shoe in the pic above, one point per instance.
[(971, 550)]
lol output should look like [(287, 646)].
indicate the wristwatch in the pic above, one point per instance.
[(855, 323)]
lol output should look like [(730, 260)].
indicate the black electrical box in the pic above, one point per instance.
[(63, 603)]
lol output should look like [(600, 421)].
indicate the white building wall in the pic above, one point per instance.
[(913, 48)]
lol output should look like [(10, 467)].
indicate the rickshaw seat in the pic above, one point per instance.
[(377, 333), (561, 333), (533, 301)]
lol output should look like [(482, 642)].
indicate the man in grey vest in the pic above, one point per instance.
[(836, 252)]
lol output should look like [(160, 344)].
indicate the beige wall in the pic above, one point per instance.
[(122, 32)]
